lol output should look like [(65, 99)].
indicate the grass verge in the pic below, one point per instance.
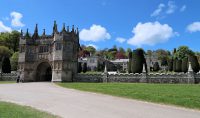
[(183, 95), (10, 110), (7, 82)]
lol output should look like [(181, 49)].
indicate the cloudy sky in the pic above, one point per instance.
[(150, 24)]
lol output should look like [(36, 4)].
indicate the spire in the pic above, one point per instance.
[(55, 30), (77, 31), (63, 29), (67, 28), (21, 33), (35, 35), (27, 34), (44, 33), (72, 28)]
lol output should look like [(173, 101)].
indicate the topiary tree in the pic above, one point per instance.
[(194, 62), (79, 67), (84, 67), (184, 65), (174, 64), (178, 65), (170, 65), (138, 61), (156, 66), (6, 67), (130, 62)]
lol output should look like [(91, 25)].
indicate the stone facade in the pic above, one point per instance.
[(49, 57)]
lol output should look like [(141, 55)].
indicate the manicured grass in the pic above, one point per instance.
[(175, 94), (7, 82), (10, 110)]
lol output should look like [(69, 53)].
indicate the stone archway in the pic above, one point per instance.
[(43, 72)]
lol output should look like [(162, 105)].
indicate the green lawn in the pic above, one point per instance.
[(7, 82), (10, 110), (175, 94)]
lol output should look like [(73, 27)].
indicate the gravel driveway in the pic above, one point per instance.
[(71, 103)]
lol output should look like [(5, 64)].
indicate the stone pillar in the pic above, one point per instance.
[(105, 74), (144, 75), (191, 79)]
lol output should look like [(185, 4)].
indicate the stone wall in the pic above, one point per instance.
[(8, 76), (183, 78)]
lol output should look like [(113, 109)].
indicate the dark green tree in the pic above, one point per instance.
[(79, 67), (174, 64), (130, 62), (84, 67), (185, 64), (178, 65), (138, 61), (170, 65), (6, 67)]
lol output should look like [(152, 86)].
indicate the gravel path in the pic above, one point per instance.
[(69, 103)]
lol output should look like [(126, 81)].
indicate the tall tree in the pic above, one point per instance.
[(6, 67)]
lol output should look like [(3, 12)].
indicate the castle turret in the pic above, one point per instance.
[(63, 29), (27, 36)]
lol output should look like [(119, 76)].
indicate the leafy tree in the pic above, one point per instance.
[(183, 52), (4, 52), (6, 67), (156, 67), (163, 56), (10, 40), (90, 49), (84, 67), (14, 61), (120, 55)]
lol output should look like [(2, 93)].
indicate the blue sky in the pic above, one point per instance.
[(150, 24)]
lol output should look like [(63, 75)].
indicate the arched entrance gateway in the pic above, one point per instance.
[(43, 72)]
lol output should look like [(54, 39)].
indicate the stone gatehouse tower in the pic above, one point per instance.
[(49, 57)]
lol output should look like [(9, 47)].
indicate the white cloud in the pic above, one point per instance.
[(4, 28), (95, 33), (171, 7), (120, 39), (194, 27), (182, 9), (158, 10), (95, 46), (16, 19), (150, 33)]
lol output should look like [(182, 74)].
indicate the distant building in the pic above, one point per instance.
[(96, 63), (151, 60), (122, 63)]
